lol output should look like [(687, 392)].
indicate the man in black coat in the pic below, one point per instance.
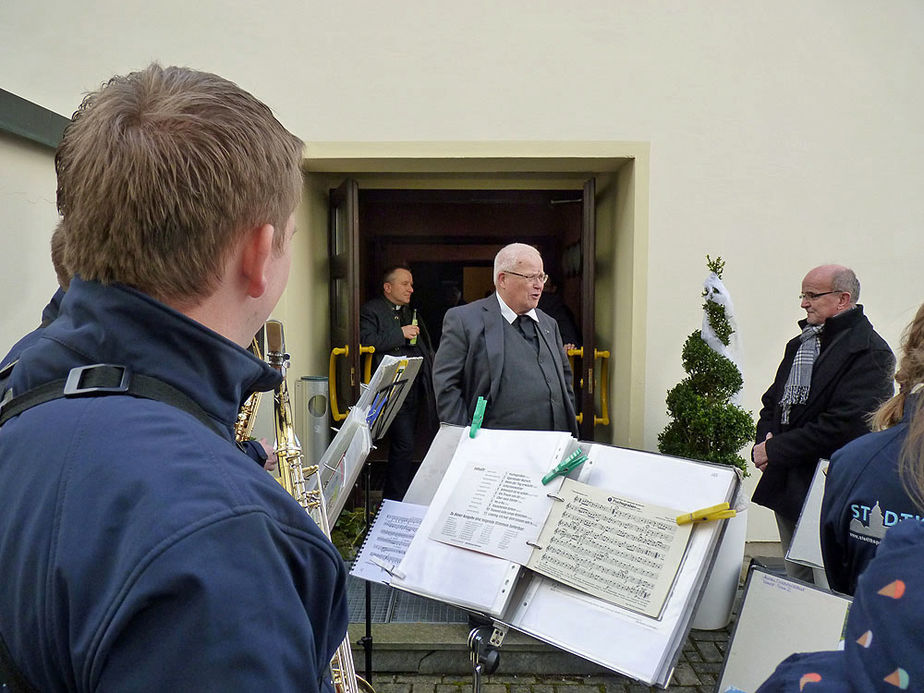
[(831, 378), (389, 324)]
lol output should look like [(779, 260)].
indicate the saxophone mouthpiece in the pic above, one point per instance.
[(275, 345)]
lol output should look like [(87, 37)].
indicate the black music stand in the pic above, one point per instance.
[(385, 405)]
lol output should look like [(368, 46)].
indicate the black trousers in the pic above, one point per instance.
[(401, 466)]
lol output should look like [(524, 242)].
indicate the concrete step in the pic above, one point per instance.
[(442, 648)]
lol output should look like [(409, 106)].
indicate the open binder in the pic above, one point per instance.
[(619, 637)]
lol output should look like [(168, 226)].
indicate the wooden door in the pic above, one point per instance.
[(343, 250), (587, 374)]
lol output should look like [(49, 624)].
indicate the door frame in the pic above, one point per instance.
[(621, 170)]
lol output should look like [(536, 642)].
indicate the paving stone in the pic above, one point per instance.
[(684, 676), (710, 652), (493, 688), (543, 688), (393, 687), (451, 687), (420, 687)]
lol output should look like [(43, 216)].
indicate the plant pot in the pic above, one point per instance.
[(715, 607)]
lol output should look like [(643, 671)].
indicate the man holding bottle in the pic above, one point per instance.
[(389, 324)]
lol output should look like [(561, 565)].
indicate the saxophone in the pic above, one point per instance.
[(246, 417), (294, 478)]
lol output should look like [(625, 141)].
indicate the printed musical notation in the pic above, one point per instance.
[(623, 551), (495, 510), (388, 540)]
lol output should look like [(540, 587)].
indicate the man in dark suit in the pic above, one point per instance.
[(831, 378), (503, 349), (389, 324)]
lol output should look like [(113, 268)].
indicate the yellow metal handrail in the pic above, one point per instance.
[(332, 380), (604, 371), (604, 357), (367, 362)]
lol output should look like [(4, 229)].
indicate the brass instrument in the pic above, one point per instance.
[(243, 425), (294, 478)]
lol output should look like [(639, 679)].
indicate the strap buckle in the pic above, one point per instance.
[(79, 378)]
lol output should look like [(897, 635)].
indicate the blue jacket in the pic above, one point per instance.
[(884, 637), (863, 498), (139, 550)]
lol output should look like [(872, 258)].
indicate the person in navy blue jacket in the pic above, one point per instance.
[(864, 495), (140, 549)]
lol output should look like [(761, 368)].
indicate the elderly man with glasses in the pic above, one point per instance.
[(833, 375), (504, 349)]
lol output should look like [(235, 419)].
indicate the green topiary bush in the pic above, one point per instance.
[(705, 424)]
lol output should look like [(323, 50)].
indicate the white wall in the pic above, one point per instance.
[(782, 135), (27, 219)]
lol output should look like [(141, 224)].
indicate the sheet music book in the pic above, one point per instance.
[(641, 639), (623, 551), (779, 616), (386, 541)]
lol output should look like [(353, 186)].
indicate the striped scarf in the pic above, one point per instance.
[(798, 384)]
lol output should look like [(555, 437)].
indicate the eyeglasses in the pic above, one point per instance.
[(809, 296), (542, 277)]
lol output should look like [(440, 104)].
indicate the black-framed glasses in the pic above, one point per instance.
[(542, 277), (810, 296)]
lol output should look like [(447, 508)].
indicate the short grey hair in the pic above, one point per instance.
[(845, 280), (510, 255)]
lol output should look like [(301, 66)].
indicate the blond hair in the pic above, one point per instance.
[(160, 174)]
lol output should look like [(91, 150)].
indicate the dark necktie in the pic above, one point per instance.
[(527, 327)]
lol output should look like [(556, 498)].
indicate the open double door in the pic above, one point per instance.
[(346, 280)]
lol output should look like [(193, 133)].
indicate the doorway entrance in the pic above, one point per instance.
[(449, 239), (472, 189)]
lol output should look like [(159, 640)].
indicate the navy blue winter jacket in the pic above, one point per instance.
[(138, 549), (863, 498)]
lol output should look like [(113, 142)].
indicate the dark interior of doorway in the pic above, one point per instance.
[(449, 239)]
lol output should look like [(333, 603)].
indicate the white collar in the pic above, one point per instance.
[(509, 314)]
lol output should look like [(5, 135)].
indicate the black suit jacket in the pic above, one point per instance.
[(470, 360), (850, 379), (378, 328)]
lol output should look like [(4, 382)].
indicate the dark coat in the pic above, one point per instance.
[(850, 379), (380, 328), (470, 360), (139, 548)]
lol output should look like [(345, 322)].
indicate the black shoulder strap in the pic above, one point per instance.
[(107, 379), (91, 381)]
